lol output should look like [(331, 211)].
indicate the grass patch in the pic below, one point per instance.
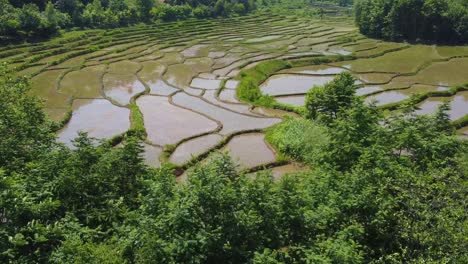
[(298, 138), (248, 89), (137, 122), (460, 123)]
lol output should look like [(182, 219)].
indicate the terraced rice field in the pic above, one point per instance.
[(179, 80)]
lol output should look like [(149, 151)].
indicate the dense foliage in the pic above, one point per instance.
[(414, 20), (382, 190), (40, 19)]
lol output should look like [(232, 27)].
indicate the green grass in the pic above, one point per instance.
[(249, 91), (298, 138), (137, 122), (460, 123)]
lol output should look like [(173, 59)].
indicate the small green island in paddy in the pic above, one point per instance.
[(233, 131)]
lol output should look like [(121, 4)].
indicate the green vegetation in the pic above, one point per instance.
[(414, 20), (325, 102), (376, 194), (249, 90), (41, 19), (292, 137), (380, 189)]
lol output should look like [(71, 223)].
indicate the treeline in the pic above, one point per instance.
[(441, 21), (391, 193), (41, 19)]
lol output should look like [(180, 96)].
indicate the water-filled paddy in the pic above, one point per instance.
[(387, 97), (122, 87), (175, 79), (168, 124), (232, 122), (193, 148), (44, 85), (286, 84), (296, 100), (85, 83), (98, 117), (250, 150), (458, 105)]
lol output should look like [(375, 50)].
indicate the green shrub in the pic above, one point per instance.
[(298, 138)]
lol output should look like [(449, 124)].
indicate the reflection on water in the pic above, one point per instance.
[(121, 88), (98, 117), (193, 148), (286, 84), (168, 124)]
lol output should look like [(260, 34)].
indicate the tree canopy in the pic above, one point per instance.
[(381, 190), (443, 21)]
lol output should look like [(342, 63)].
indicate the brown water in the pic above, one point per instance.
[(387, 97), (168, 124), (210, 96), (273, 112), (160, 87), (205, 84), (85, 83), (151, 71), (368, 90), (121, 88), (228, 95), (231, 84), (287, 84), (250, 150), (232, 122), (152, 155), (458, 104), (180, 75), (296, 100), (98, 117), (193, 148), (279, 172)]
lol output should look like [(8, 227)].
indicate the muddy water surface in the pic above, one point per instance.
[(121, 88), (387, 97), (98, 117), (287, 84), (152, 155), (168, 124), (250, 150), (295, 100), (193, 148), (205, 84), (232, 122), (458, 105)]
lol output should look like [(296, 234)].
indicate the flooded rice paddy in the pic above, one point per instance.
[(184, 84)]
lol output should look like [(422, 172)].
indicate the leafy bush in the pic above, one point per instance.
[(298, 138), (202, 11), (414, 20)]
